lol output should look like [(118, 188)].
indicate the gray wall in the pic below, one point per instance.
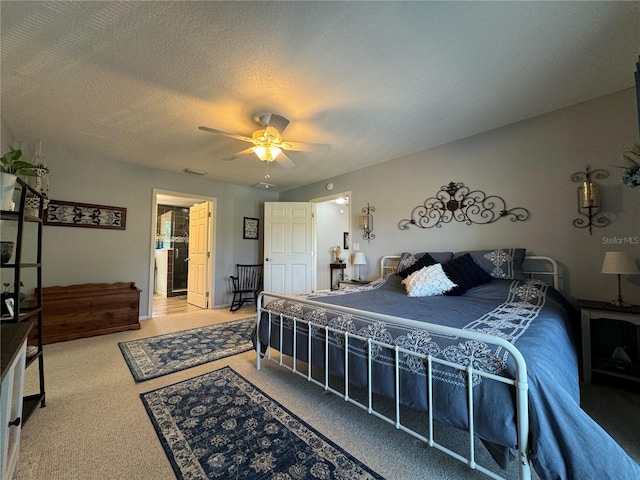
[(86, 255), (529, 165)]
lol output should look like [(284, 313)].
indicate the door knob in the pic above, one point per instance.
[(266, 259)]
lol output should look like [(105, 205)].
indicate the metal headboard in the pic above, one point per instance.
[(534, 266)]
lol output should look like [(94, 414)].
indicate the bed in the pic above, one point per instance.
[(497, 359)]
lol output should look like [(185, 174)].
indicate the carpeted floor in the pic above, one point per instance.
[(95, 426)]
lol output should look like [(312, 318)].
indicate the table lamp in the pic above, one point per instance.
[(619, 263), (359, 259)]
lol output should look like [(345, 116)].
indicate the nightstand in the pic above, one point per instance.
[(332, 268), (589, 311)]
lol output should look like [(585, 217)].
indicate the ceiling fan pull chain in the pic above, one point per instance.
[(266, 170)]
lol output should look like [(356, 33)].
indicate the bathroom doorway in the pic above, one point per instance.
[(172, 250), (169, 273)]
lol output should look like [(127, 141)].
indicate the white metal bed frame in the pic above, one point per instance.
[(387, 265)]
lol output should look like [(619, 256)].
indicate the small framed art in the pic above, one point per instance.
[(250, 228)]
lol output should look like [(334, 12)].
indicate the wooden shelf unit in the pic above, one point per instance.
[(33, 312)]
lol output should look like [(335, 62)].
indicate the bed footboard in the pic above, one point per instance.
[(269, 345)]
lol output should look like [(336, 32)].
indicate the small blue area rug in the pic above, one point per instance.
[(164, 354), (219, 425)]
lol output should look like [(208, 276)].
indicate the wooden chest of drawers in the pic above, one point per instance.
[(79, 311)]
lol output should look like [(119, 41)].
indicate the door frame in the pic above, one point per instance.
[(183, 197), (314, 232)]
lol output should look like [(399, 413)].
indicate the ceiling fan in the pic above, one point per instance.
[(268, 144)]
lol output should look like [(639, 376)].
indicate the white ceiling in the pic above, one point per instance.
[(132, 81)]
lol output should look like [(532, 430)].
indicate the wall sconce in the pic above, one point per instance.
[(367, 223), (589, 199)]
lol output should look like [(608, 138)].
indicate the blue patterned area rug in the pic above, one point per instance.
[(219, 425), (164, 354)]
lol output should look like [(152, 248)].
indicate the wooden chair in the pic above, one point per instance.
[(247, 284)]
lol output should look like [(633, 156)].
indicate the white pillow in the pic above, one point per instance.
[(428, 281)]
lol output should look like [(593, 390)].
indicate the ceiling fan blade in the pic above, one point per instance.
[(244, 153), (278, 122), (284, 161), (306, 147), (232, 135)]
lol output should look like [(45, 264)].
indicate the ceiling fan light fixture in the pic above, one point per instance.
[(268, 135), (267, 153)]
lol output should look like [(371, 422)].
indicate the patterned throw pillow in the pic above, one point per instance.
[(427, 282), (425, 261), (407, 259), (501, 263)]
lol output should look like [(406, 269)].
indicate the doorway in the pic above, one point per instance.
[(332, 229), (168, 279)]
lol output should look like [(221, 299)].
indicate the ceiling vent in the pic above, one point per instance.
[(192, 171), (264, 185)]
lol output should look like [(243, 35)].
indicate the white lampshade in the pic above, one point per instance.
[(619, 263), (359, 259)]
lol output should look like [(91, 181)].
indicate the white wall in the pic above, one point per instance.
[(86, 255), (528, 164)]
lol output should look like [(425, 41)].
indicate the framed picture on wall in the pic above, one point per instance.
[(250, 230), (345, 241)]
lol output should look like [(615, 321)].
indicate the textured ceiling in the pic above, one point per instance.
[(132, 81)]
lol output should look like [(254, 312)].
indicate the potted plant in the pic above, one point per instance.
[(337, 251), (10, 167), (631, 174)]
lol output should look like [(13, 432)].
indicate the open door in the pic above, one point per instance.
[(288, 247), (199, 255)]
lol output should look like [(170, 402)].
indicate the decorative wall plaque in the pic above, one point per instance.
[(73, 214)]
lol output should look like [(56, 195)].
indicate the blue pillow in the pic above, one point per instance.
[(466, 273), (505, 263)]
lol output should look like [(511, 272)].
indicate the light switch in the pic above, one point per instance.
[(356, 246)]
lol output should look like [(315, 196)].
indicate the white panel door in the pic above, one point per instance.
[(288, 247), (198, 280)]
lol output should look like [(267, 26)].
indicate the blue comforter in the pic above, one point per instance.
[(565, 442)]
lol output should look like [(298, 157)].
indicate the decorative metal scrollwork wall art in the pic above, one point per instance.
[(367, 223), (456, 202), (589, 199)]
